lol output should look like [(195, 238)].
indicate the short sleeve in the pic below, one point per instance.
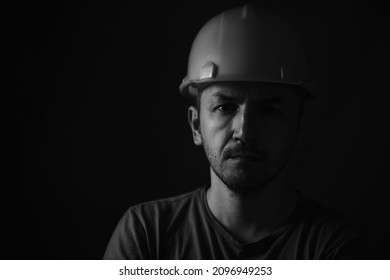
[(128, 242), (353, 248)]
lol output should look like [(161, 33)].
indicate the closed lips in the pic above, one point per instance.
[(245, 156)]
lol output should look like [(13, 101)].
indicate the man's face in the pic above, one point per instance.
[(248, 131)]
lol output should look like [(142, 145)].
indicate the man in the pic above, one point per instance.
[(247, 76)]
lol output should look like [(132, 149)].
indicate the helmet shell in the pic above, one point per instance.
[(247, 45)]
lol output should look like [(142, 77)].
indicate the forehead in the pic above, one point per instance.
[(256, 92)]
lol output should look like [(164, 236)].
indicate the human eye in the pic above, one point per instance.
[(270, 110), (226, 108)]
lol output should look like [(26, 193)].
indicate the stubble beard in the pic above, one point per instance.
[(240, 184), (252, 182)]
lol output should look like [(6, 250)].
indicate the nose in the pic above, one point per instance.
[(245, 124)]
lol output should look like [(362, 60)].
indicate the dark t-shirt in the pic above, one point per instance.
[(183, 227)]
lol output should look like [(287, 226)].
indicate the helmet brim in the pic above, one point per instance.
[(191, 88)]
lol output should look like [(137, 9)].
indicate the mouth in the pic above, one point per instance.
[(245, 157)]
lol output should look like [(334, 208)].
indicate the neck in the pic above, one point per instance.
[(259, 213)]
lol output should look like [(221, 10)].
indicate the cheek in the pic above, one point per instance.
[(279, 138), (214, 134)]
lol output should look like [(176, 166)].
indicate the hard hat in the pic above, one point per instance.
[(245, 44)]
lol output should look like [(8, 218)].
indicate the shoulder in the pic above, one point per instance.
[(166, 206), (139, 231), (333, 234), (327, 219)]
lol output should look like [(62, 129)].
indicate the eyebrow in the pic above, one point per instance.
[(272, 100), (223, 95), (227, 96)]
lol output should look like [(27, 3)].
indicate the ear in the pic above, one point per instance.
[(193, 120), (301, 128)]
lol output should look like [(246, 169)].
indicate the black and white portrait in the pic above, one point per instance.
[(207, 130)]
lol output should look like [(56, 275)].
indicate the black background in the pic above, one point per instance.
[(96, 122)]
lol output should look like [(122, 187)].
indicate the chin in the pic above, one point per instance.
[(243, 180), (245, 186)]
